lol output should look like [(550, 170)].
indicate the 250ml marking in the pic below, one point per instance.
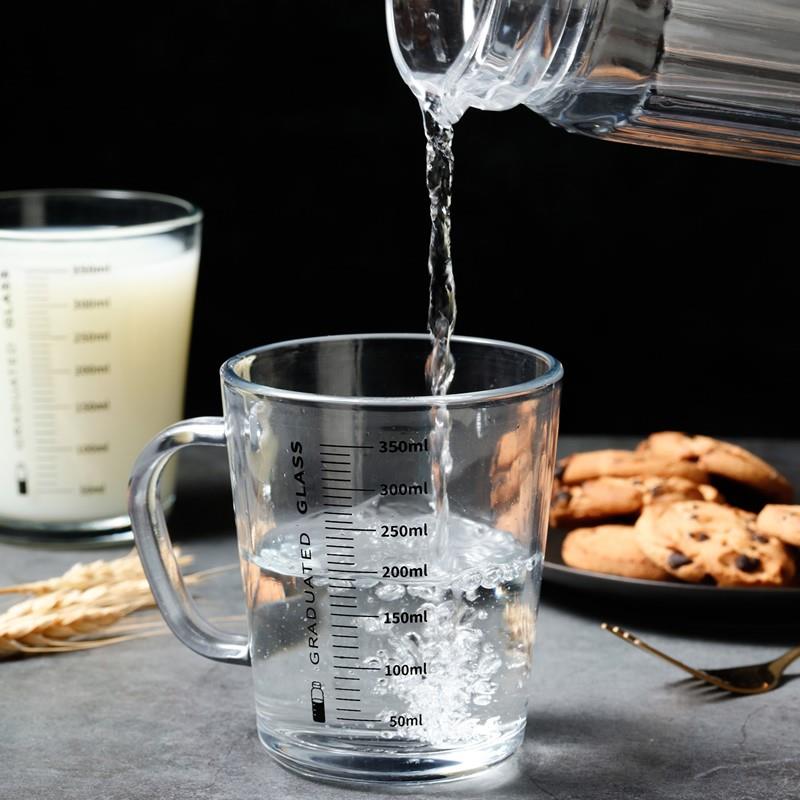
[(403, 531)]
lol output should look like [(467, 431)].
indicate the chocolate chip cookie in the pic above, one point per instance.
[(781, 521), (611, 549), (608, 498), (580, 467), (746, 478), (700, 541)]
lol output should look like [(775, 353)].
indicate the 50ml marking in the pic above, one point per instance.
[(394, 446), (394, 489), (405, 617), (404, 571), (404, 721), (403, 531)]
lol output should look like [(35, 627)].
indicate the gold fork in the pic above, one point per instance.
[(753, 679)]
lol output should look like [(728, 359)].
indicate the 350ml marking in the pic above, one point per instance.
[(395, 446)]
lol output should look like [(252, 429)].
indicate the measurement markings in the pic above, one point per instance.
[(350, 446), (347, 646), (364, 669), (346, 658), (344, 636), (345, 626), (328, 469), (340, 538), (357, 571), (347, 530), (336, 480), (340, 514), (346, 688), (338, 505), (365, 616), (341, 605)]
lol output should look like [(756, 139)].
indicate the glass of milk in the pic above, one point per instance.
[(96, 298)]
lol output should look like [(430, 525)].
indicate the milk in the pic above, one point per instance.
[(94, 339)]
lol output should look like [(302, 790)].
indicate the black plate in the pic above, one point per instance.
[(557, 572)]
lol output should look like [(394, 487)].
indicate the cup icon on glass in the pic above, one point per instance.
[(96, 298)]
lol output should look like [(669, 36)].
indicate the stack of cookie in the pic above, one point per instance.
[(679, 506)]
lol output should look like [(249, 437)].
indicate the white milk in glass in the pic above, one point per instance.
[(94, 339)]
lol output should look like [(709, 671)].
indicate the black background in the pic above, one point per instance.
[(665, 282)]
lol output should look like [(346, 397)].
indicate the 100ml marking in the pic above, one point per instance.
[(395, 670)]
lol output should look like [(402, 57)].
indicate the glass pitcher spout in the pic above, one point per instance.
[(714, 76)]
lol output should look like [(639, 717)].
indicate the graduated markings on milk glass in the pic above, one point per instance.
[(66, 339)]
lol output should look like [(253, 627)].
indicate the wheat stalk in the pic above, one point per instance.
[(81, 576), (86, 601)]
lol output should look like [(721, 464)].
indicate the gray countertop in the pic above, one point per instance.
[(149, 719)]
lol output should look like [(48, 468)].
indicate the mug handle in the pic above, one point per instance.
[(155, 548)]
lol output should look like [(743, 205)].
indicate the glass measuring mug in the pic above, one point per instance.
[(387, 643), (96, 297)]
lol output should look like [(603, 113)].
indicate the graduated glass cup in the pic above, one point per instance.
[(385, 644), (96, 297)]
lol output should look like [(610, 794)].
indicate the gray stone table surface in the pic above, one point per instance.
[(149, 719)]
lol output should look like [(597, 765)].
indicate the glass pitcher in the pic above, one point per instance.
[(714, 76)]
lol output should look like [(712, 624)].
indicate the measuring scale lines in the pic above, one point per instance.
[(76, 392), (359, 626), (340, 562)]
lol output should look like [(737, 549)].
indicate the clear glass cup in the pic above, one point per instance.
[(383, 647), (97, 293)]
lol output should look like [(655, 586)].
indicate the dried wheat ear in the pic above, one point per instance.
[(83, 608)]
